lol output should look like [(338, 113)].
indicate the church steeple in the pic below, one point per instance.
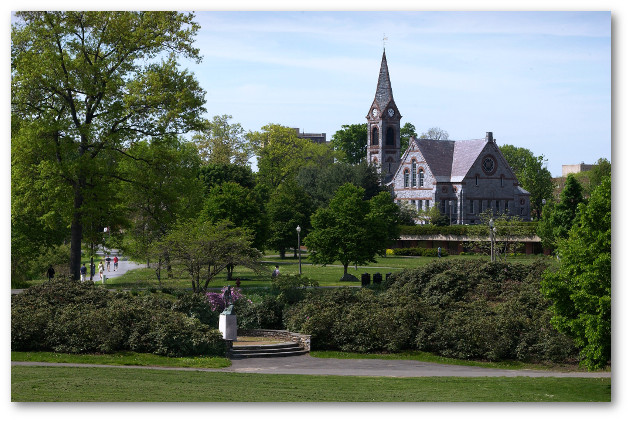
[(384, 126), (384, 92)]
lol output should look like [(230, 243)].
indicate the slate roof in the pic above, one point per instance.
[(384, 92), (450, 160)]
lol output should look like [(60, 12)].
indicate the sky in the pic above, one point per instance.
[(538, 80)]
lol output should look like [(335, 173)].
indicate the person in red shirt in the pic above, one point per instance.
[(115, 262)]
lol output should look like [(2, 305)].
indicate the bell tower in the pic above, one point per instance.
[(383, 125)]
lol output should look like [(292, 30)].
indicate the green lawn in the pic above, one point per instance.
[(70, 384), (325, 275), (122, 358), (432, 358)]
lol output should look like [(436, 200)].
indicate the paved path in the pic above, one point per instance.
[(124, 265), (307, 365)]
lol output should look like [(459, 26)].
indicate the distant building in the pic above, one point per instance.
[(463, 178), (574, 169), (315, 137)]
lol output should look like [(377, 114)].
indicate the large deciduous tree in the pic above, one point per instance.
[(531, 174), (85, 85), (435, 133), (281, 154), (352, 230), (351, 142), (205, 249), (241, 206), (223, 143), (288, 207), (320, 183), (581, 288), (163, 188)]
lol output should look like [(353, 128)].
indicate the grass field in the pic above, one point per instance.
[(328, 275), (122, 358), (70, 384)]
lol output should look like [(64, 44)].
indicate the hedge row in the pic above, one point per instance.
[(469, 309), (74, 317), (429, 229), (419, 251)]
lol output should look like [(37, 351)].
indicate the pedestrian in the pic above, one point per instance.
[(83, 271), (439, 251), (50, 272), (101, 269), (108, 260), (115, 263), (276, 272)]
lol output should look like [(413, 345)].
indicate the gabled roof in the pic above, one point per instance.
[(384, 92), (450, 160)]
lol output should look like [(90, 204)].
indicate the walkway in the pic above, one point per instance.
[(307, 365)]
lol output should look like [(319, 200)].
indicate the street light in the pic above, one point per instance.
[(298, 229), (492, 231)]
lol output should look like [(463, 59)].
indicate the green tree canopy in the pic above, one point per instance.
[(581, 288), (352, 230), (557, 219), (223, 143), (205, 249), (163, 187), (241, 206), (321, 183), (214, 174), (288, 207), (85, 85), (351, 142), (407, 131), (531, 174), (281, 153)]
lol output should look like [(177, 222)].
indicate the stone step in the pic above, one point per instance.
[(266, 351)]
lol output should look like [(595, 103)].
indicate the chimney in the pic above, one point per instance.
[(489, 137)]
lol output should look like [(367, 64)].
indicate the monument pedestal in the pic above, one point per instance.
[(227, 326)]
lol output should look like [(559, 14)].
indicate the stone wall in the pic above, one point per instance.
[(304, 340)]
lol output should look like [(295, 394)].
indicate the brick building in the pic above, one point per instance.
[(463, 178)]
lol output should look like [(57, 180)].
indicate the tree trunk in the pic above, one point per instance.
[(283, 253), (345, 269), (76, 233)]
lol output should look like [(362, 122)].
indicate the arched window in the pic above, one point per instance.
[(390, 136), (374, 135), (389, 164), (406, 178), (420, 178), (413, 172)]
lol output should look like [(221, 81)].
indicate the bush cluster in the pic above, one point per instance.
[(431, 229), (74, 317), (419, 251), (469, 309)]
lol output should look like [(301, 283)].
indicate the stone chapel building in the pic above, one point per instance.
[(462, 177)]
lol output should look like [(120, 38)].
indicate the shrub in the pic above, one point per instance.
[(266, 314), (419, 251), (470, 309), (196, 305), (69, 316)]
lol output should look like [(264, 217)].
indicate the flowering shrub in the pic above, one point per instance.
[(389, 252), (219, 300)]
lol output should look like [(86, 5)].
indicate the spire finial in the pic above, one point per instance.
[(384, 39)]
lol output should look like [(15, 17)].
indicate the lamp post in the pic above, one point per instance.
[(298, 229), (491, 224)]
